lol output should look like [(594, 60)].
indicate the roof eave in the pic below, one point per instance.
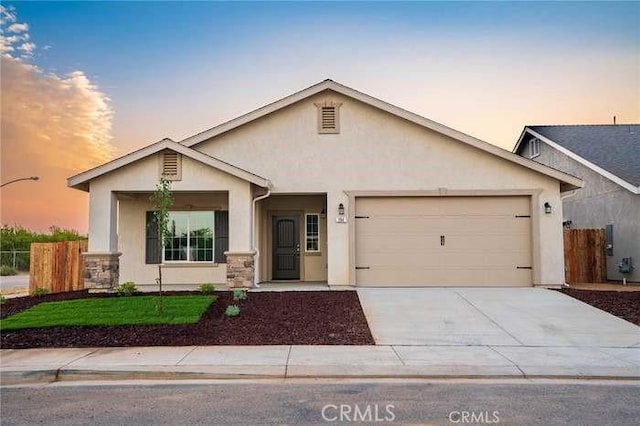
[(82, 180), (517, 146), (257, 113), (384, 106)]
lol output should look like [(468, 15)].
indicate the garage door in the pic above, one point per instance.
[(443, 241)]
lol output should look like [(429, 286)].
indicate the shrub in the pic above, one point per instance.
[(127, 289), (239, 295), (207, 288), (232, 311), (2, 299), (40, 291), (16, 238), (7, 270)]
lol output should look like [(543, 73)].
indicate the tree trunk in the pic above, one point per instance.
[(159, 305)]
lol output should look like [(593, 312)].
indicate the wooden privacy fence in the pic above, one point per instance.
[(57, 267), (585, 258)]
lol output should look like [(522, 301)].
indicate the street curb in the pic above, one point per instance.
[(84, 375), (45, 376), (20, 377)]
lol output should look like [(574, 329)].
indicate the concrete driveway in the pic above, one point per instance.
[(490, 317)]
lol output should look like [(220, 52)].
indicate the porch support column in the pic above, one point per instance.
[(101, 262), (338, 239), (240, 257)]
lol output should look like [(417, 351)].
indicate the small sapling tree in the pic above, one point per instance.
[(162, 199)]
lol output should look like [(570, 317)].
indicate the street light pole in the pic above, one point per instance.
[(18, 180)]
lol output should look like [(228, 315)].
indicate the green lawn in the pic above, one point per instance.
[(138, 310)]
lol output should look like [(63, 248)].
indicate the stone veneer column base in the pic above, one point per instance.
[(101, 270), (240, 269)]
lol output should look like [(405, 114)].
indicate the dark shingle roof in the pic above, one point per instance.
[(615, 148)]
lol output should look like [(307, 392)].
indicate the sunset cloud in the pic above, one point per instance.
[(18, 28), (14, 36), (7, 14), (27, 48), (53, 127)]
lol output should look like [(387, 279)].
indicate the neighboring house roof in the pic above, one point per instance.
[(612, 150), (81, 181)]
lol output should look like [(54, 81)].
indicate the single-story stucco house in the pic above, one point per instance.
[(607, 158), (329, 185)]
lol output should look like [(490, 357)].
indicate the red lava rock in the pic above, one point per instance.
[(623, 304), (266, 318)]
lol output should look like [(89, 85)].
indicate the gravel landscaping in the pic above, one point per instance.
[(625, 305), (266, 318)]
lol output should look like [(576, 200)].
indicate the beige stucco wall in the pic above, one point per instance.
[(122, 198), (132, 235), (376, 151)]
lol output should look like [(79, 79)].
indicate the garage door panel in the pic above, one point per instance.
[(488, 260), (410, 277), (406, 243), (483, 242), (466, 260), (399, 241), (412, 224), (406, 206), (390, 260), (380, 225)]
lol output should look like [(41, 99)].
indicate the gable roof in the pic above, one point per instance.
[(81, 181), (569, 182), (612, 150)]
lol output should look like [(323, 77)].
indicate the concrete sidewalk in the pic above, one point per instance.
[(273, 362)]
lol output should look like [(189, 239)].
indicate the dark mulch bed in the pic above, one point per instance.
[(269, 318), (623, 304)]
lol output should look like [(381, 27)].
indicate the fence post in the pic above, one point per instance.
[(14, 259)]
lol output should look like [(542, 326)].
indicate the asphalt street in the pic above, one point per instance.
[(311, 402), (14, 282)]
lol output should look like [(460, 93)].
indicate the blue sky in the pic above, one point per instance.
[(105, 36), (142, 71), (144, 54)]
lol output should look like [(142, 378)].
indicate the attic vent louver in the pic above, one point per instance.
[(171, 165), (328, 117)]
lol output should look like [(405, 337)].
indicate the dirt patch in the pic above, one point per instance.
[(625, 305), (266, 318)]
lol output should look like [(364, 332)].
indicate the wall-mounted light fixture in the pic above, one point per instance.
[(547, 208), (323, 214), (341, 209)]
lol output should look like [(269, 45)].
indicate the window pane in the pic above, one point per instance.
[(312, 244), (311, 234), (201, 236), (191, 237), (176, 248)]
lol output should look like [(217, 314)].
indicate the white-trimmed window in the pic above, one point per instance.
[(312, 232), (534, 147), (192, 238)]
